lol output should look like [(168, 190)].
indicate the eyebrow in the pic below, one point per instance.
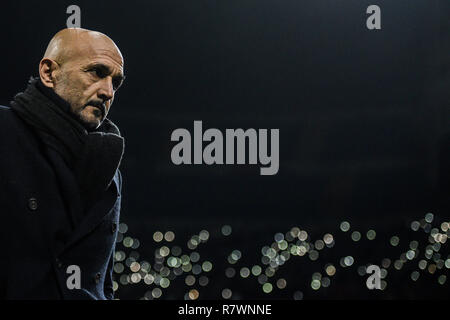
[(104, 68)]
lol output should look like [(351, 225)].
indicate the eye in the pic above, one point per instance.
[(98, 72)]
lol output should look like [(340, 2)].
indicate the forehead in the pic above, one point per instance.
[(100, 50)]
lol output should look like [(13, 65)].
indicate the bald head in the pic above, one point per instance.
[(72, 42), (85, 68)]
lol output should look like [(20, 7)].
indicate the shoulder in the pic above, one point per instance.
[(4, 111), (13, 130), (8, 118)]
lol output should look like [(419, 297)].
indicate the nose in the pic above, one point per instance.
[(106, 91)]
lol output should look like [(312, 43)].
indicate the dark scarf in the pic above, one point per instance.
[(93, 156)]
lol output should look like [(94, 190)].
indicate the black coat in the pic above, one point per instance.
[(39, 235)]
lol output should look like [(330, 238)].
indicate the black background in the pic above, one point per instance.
[(363, 114)]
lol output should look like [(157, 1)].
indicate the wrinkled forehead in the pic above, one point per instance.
[(97, 47)]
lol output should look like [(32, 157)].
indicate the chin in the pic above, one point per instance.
[(90, 124)]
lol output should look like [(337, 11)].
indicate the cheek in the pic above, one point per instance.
[(87, 89), (72, 88), (82, 87), (91, 91)]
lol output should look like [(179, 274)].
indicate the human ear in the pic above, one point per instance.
[(47, 70)]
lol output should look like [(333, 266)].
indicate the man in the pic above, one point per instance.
[(60, 187)]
